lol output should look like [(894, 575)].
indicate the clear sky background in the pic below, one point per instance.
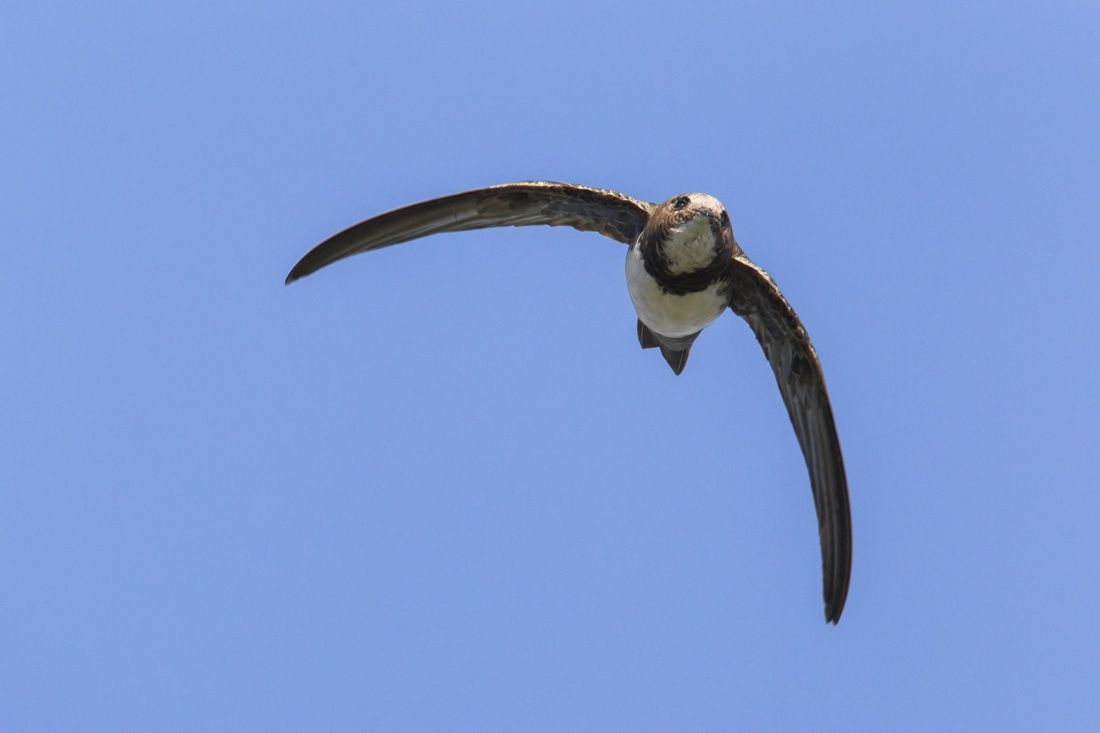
[(440, 487)]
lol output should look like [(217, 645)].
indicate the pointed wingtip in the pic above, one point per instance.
[(836, 582), (296, 273), (834, 608)]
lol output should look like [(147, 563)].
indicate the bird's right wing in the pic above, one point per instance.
[(757, 299), (610, 213)]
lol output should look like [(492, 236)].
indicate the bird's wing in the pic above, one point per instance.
[(612, 214), (757, 299)]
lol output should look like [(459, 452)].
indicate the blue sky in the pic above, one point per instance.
[(439, 487)]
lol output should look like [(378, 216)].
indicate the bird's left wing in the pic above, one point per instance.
[(757, 299), (610, 213)]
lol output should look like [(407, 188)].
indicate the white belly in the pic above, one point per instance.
[(666, 313)]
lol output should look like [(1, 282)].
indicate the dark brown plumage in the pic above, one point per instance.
[(654, 231), (609, 213)]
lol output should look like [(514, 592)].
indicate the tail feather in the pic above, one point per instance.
[(646, 337), (674, 348), (676, 359)]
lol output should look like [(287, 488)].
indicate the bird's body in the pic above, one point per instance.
[(671, 314), (683, 269), (684, 239)]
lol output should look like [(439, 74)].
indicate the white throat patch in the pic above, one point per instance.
[(690, 246)]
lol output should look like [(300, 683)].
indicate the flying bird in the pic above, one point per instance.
[(683, 269)]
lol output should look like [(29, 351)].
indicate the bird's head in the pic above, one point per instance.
[(687, 233)]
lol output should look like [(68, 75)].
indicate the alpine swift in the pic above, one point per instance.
[(683, 269)]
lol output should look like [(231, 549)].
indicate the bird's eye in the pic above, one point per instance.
[(680, 202)]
